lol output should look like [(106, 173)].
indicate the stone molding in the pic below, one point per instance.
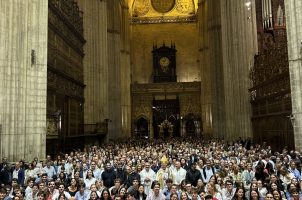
[(179, 87)]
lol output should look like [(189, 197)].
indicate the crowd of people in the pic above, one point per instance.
[(178, 169)]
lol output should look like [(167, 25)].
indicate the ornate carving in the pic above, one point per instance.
[(190, 104), (52, 129), (64, 86), (180, 87), (185, 6), (70, 10), (166, 19), (143, 107), (60, 28), (141, 8), (163, 6)]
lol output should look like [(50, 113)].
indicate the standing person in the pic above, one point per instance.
[(193, 175), (292, 169), (228, 192), (211, 190), (162, 175), (49, 170), (155, 193), (97, 172), (121, 173), (89, 179), (82, 194), (52, 190), (34, 193), (29, 173), (239, 194), (117, 185), (5, 173), (18, 173), (108, 176), (277, 195), (2, 194), (105, 195), (254, 195), (141, 193), (147, 177), (61, 192), (131, 176), (247, 176), (269, 196), (73, 187), (207, 171), (178, 174)]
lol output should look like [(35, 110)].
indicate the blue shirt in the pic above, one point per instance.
[(79, 196)]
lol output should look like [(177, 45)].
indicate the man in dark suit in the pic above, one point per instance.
[(18, 173), (193, 158), (5, 174)]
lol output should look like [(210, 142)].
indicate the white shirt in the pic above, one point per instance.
[(56, 196), (89, 182), (178, 175)]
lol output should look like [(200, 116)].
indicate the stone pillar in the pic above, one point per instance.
[(125, 71), (96, 107), (212, 94), (23, 78), (114, 68), (227, 46), (239, 41), (293, 11)]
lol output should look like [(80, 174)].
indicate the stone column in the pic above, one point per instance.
[(125, 71), (293, 10), (212, 94), (23, 78), (114, 68), (227, 46), (96, 107), (238, 50)]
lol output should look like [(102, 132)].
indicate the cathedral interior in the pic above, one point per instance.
[(81, 72)]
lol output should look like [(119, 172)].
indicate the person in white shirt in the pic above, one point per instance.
[(89, 180), (229, 191), (49, 170), (29, 173), (155, 193), (178, 174), (147, 177), (97, 173), (61, 192), (207, 172)]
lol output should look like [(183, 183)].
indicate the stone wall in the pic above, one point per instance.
[(184, 35)]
